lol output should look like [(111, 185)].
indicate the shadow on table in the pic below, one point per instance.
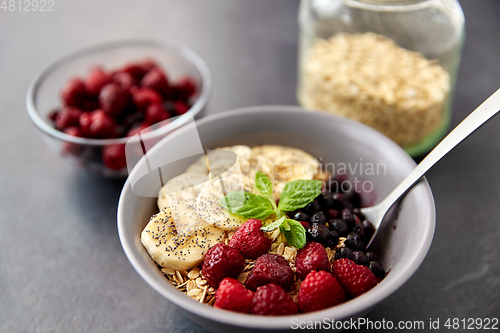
[(94, 198)]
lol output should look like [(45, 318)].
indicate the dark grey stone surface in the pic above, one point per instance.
[(62, 268)]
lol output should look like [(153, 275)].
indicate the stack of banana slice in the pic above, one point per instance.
[(191, 219)]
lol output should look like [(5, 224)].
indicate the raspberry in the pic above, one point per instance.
[(53, 114), (134, 70), (99, 126), (250, 240), (96, 79), (70, 147), (320, 290), (180, 107), (125, 80), (139, 129), (113, 156), (90, 104), (233, 296), (272, 300), (355, 279), (222, 261), (156, 113), (312, 257), (157, 80), (185, 88), (68, 117), (270, 268), (143, 97), (305, 224), (148, 65), (113, 99), (73, 131), (74, 93), (84, 121)]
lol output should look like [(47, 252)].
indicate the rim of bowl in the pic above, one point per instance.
[(184, 51), (356, 306)]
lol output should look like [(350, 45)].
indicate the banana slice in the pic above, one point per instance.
[(200, 166), (282, 164), (207, 204), (178, 250), (221, 160), (183, 188)]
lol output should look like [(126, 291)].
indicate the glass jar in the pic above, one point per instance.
[(391, 64)]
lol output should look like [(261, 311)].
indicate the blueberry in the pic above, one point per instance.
[(372, 256), (354, 242), (334, 185), (301, 216), (318, 233), (344, 252), (377, 269), (360, 258), (326, 198), (354, 198), (357, 211), (312, 207), (348, 216), (360, 229), (338, 201), (339, 226), (369, 229), (333, 240), (333, 213), (318, 217)]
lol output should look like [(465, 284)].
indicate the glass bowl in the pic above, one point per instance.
[(43, 95)]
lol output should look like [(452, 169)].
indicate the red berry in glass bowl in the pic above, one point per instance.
[(70, 147), (96, 80), (74, 92), (113, 156), (180, 107), (125, 80), (156, 113), (113, 99), (157, 80), (143, 97), (101, 125), (185, 88), (138, 129), (67, 117), (135, 70), (148, 65)]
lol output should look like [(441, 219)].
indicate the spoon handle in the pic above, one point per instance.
[(478, 117)]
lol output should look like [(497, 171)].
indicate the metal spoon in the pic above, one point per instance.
[(478, 117)]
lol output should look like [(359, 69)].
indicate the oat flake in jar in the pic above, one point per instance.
[(389, 64)]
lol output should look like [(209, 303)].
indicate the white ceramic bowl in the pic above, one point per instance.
[(402, 245)]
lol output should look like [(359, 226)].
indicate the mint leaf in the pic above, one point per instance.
[(298, 194), (247, 205), (264, 185), (296, 236), (285, 226), (273, 225)]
